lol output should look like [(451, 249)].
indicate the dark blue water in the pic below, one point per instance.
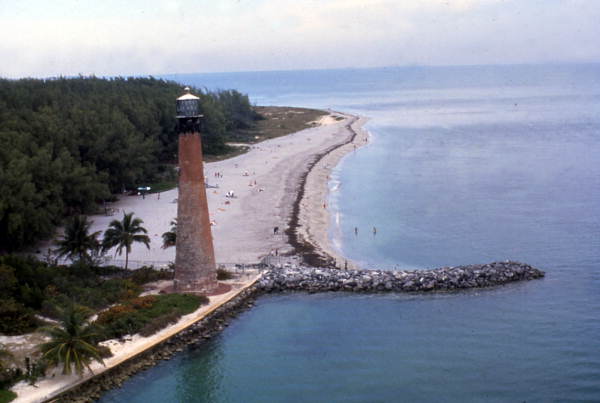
[(466, 165)]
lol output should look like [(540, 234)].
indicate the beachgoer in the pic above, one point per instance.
[(374, 231), (275, 230), (355, 230)]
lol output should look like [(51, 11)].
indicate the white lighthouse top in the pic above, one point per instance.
[(187, 95)]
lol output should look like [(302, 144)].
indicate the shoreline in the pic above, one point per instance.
[(313, 214)]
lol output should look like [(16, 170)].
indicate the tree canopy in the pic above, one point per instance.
[(69, 143)]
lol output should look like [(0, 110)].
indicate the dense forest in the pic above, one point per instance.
[(67, 144)]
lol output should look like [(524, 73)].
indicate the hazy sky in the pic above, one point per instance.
[(125, 37)]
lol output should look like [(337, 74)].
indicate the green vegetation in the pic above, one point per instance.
[(7, 376), (223, 274), (163, 186), (77, 243), (124, 233), (73, 343), (170, 237), (68, 143), (7, 396), (146, 315), (28, 286), (278, 121)]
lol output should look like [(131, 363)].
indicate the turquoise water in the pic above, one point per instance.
[(466, 165)]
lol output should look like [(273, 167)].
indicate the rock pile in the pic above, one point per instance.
[(445, 278)]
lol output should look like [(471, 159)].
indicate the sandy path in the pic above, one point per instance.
[(265, 182)]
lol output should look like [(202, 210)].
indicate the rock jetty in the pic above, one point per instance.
[(443, 279)]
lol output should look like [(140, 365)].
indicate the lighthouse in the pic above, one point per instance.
[(195, 268)]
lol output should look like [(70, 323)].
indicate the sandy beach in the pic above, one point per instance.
[(265, 182)]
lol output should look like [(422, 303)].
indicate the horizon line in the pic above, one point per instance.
[(394, 66)]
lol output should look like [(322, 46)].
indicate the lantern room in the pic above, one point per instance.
[(188, 105), (188, 114)]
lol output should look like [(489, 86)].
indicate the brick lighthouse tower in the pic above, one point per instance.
[(195, 268)]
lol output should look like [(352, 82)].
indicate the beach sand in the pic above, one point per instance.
[(265, 181)]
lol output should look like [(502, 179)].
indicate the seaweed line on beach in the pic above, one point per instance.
[(309, 253)]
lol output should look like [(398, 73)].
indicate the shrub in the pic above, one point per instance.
[(182, 303), (223, 274), (123, 325), (104, 351), (142, 302), (150, 313), (7, 396), (146, 275), (15, 318), (8, 281), (159, 323), (114, 313), (109, 271)]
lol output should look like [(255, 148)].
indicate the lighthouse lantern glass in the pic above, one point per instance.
[(188, 108)]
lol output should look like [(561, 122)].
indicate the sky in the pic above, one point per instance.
[(141, 37)]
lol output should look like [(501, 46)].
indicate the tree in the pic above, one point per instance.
[(72, 343), (124, 233), (170, 237), (67, 143), (4, 355), (77, 242)]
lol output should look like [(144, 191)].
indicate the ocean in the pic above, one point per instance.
[(466, 165)]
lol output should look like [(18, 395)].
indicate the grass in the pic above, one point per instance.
[(7, 396), (278, 121), (163, 186), (181, 303), (147, 315)]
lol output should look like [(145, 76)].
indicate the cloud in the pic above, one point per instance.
[(111, 38)]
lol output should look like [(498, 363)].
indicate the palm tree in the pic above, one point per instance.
[(124, 233), (72, 343), (170, 237), (77, 242)]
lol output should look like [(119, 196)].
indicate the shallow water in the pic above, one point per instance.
[(467, 165)]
